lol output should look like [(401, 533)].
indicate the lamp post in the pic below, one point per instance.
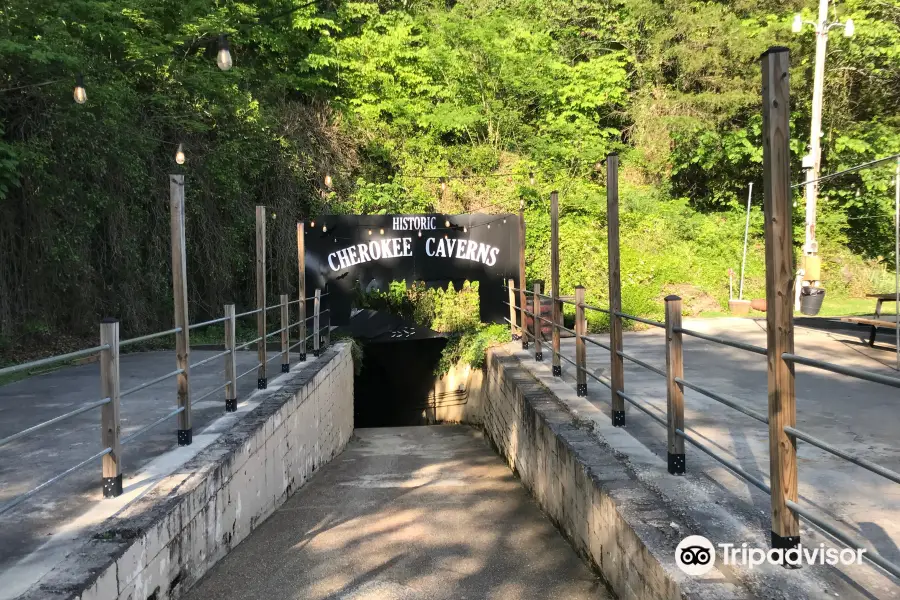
[(813, 162)]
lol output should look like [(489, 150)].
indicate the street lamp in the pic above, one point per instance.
[(811, 262)]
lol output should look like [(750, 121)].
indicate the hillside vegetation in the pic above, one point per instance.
[(386, 98)]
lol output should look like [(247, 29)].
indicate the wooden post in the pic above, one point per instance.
[(179, 290), (316, 304), (110, 426), (285, 337), (674, 390), (536, 321), (230, 359), (556, 316), (580, 350), (522, 284), (617, 366), (301, 268), (779, 294), (511, 284), (261, 379)]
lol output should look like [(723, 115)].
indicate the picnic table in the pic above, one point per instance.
[(877, 322)]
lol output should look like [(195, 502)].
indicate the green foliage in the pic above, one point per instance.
[(471, 347)]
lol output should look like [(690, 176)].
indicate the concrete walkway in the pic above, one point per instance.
[(407, 512)]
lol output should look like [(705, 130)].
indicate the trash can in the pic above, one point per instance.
[(811, 300)]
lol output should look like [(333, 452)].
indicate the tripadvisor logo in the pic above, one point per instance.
[(696, 555)]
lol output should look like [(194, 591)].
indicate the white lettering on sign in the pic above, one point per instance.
[(452, 248), (411, 223)]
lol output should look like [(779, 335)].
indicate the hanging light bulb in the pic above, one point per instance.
[(324, 228), (531, 177), (223, 58), (420, 234), (849, 28), (312, 224), (465, 230), (328, 181), (443, 185), (274, 216), (447, 223), (179, 155), (489, 225), (370, 232), (80, 93), (381, 231), (504, 221)]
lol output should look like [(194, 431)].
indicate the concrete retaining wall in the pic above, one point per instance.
[(164, 542), (609, 517)]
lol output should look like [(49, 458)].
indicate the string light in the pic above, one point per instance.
[(443, 184), (531, 177), (447, 223), (328, 181), (324, 228), (80, 94), (370, 232), (420, 234), (465, 230), (382, 231), (312, 224), (179, 155), (223, 58)]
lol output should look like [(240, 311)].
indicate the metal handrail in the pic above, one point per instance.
[(210, 359), (251, 342), (723, 341), (53, 359), (39, 426), (147, 428), (639, 319), (249, 312), (637, 361), (858, 373), (641, 408), (248, 371), (733, 467), (597, 308), (869, 554), (210, 393), (605, 381), (205, 323), (726, 401), (595, 342), (147, 384), (862, 462), (276, 332), (22, 497), (150, 336)]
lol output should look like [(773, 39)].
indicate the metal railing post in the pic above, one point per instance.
[(109, 413), (616, 362), (555, 313), (674, 390), (522, 284), (230, 359), (316, 304), (580, 349), (779, 294), (179, 288), (301, 268), (512, 309), (261, 378), (285, 334), (536, 320)]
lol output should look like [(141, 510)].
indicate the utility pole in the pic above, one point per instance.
[(812, 163)]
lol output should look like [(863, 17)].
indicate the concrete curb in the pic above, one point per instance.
[(162, 543)]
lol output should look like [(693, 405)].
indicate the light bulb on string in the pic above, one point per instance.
[(328, 181), (447, 223), (80, 94), (420, 234), (504, 221), (312, 224), (324, 228), (179, 155), (443, 184), (465, 230), (489, 225), (370, 232), (223, 58), (381, 231), (531, 177)]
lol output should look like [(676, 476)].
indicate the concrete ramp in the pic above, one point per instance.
[(407, 512)]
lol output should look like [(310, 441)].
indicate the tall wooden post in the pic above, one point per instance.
[(674, 390), (510, 285), (285, 334), (301, 269), (317, 303), (110, 427), (179, 292), (779, 293), (556, 317), (617, 366), (261, 380), (522, 284), (580, 350), (536, 321), (230, 359)]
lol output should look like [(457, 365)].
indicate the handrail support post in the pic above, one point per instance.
[(536, 320), (230, 359), (674, 390), (285, 335), (580, 349), (109, 412)]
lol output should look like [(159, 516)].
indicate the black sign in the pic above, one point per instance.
[(367, 252)]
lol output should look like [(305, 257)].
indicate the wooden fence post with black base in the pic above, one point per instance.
[(109, 414), (179, 289), (285, 335), (511, 284), (556, 317), (261, 379), (779, 294), (301, 268), (230, 359), (536, 321), (522, 284), (674, 390), (317, 303), (617, 366), (580, 350)]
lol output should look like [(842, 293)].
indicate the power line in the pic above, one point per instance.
[(850, 170)]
